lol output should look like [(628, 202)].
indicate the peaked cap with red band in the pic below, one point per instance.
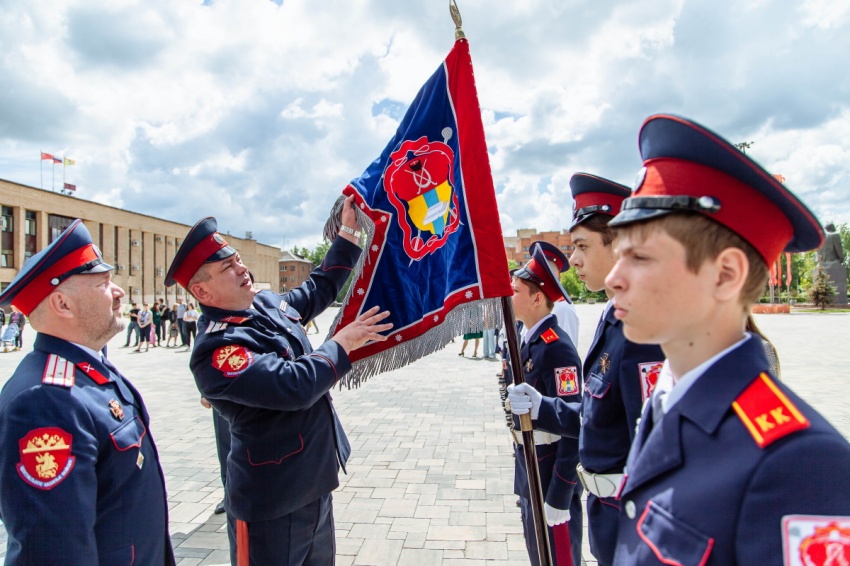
[(203, 244), (688, 168), (72, 253), (595, 195), (539, 270)]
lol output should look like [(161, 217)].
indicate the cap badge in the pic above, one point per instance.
[(218, 239)]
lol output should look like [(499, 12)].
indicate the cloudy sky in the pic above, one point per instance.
[(260, 112)]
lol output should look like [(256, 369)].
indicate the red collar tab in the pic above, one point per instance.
[(95, 375), (767, 413), (549, 336)]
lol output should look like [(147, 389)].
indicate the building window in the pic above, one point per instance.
[(31, 229), (291, 268), (7, 240), (292, 279), (525, 249), (525, 256)]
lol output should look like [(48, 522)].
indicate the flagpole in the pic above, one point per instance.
[(535, 488), (41, 168)]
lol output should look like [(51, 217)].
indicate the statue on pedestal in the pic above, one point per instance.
[(831, 258)]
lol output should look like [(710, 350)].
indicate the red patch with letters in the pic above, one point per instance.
[(46, 458), (767, 413), (549, 336), (567, 380), (232, 360)]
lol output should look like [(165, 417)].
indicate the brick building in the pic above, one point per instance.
[(140, 247), (516, 247), (294, 270)]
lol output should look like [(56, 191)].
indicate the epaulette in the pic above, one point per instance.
[(216, 327), (549, 336), (234, 319), (767, 413), (58, 371)]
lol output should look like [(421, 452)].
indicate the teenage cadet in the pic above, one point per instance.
[(80, 480), (729, 466), (552, 367), (618, 374), (254, 364)]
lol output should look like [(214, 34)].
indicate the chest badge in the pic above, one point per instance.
[(140, 460), (117, 409), (604, 363), (529, 365)]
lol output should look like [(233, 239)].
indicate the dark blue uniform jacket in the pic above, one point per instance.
[(700, 490), (617, 373), (557, 461), (79, 485), (257, 368)]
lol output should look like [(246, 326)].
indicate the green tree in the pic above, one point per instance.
[(573, 285), (822, 290)]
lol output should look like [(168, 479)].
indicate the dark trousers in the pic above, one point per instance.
[(181, 326), (602, 519), (133, 327), (304, 537), (222, 443), (564, 539)]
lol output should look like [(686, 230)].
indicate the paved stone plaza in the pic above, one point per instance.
[(430, 480)]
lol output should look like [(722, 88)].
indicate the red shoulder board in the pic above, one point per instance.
[(767, 413), (234, 319), (549, 336)]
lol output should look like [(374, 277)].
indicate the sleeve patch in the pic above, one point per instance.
[(232, 360), (567, 380), (810, 539), (58, 371), (549, 336), (46, 458), (767, 413), (649, 373)]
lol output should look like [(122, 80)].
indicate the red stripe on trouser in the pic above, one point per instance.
[(563, 549), (242, 556)]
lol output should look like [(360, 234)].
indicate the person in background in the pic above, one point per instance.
[(145, 321), (181, 328), (80, 478), (190, 324), (133, 327), (156, 312), (20, 319)]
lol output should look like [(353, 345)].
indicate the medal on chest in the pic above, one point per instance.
[(529, 365)]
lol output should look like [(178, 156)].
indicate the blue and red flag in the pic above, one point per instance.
[(434, 254)]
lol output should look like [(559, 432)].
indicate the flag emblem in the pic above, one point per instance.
[(420, 187), (45, 457)]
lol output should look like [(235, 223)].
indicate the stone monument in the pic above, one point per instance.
[(831, 258)]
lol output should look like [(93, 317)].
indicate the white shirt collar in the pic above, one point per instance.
[(676, 389), (533, 329)]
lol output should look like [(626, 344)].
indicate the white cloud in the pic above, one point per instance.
[(259, 114)]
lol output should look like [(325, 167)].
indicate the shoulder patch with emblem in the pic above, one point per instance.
[(649, 373), (46, 458), (234, 319), (232, 360), (58, 371), (767, 413), (567, 380), (549, 336), (216, 327), (812, 539)]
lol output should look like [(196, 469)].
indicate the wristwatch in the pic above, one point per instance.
[(352, 231)]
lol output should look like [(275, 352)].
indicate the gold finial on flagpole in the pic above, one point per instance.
[(455, 12)]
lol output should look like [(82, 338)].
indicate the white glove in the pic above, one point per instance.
[(555, 516), (524, 398)]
